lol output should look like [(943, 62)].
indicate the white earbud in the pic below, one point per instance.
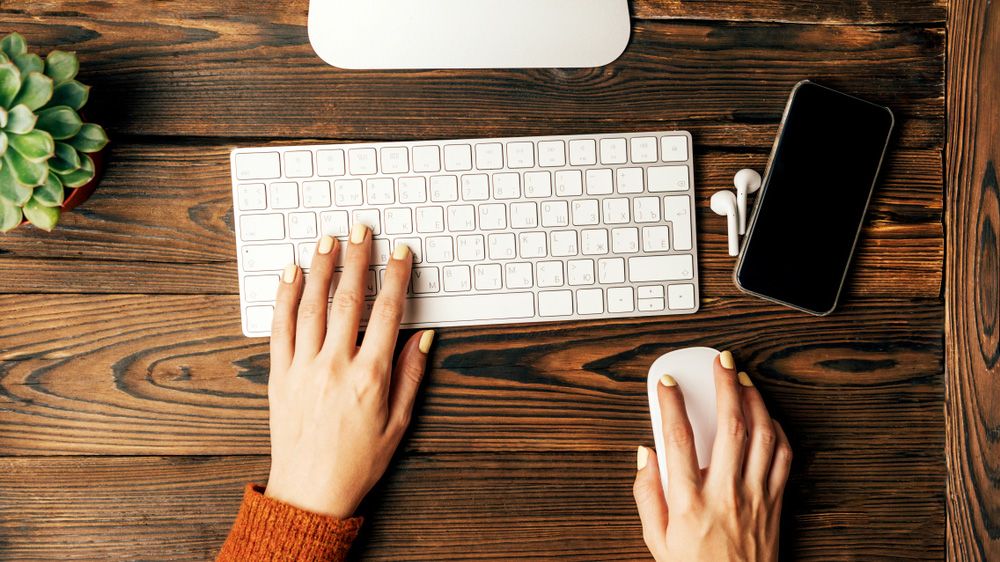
[(746, 181), (724, 203)]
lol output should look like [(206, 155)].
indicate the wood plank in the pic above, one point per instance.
[(245, 69), (972, 281), (162, 223), (468, 506), (173, 375), (802, 11)]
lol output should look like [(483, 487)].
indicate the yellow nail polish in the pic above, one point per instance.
[(744, 379), (325, 245), (289, 274), (667, 380), (358, 233), (426, 339), (726, 359), (401, 252), (642, 457)]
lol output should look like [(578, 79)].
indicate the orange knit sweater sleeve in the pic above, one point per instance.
[(267, 529)]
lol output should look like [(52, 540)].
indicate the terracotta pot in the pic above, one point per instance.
[(75, 197)]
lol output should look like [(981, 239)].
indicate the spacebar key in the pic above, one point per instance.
[(468, 308)]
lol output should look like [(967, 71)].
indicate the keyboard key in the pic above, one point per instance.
[(676, 209), (667, 178), (625, 240), (524, 215), (471, 248), (439, 249), (555, 303), (646, 209), (426, 159), (555, 214), (611, 270), (519, 275), (381, 252), (600, 182), (415, 246), (563, 243), (252, 197), (444, 189), (502, 246), (654, 239), (532, 245), (475, 187), (488, 277), (262, 227), (594, 242), (362, 161), (395, 160), (430, 219), (583, 152), (465, 308), (426, 280), (651, 292), (590, 301), (369, 217), (330, 163), (651, 305), (520, 155), (306, 252), (621, 299), (549, 273), (586, 212), (259, 319), (334, 223), (316, 194), (643, 150), (273, 257), (493, 216), (489, 156), (674, 149), (457, 279), (398, 221), (284, 195), (580, 272), (552, 154), (681, 297), (613, 151), (461, 218), (506, 186), (412, 190), (630, 180), (616, 211), (660, 268), (298, 164), (347, 193), (260, 288), (302, 225), (537, 184), (258, 166), (381, 191), (457, 157)]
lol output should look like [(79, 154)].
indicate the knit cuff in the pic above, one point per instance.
[(269, 530)]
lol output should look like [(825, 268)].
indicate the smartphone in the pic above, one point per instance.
[(813, 200)]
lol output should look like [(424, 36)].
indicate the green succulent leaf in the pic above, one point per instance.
[(3, 119), (40, 215), (50, 193), (66, 159), (62, 121), (91, 138), (72, 94), (10, 215), (29, 62), (10, 83), (80, 177), (20, 120), (3, 144), (27, 172), (61, 66), (13, 45), (3, 57), (11, 189), (36, 146), (36, 91)]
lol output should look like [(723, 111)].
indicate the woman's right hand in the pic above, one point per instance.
[(730, 510)]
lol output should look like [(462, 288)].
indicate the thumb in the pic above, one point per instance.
[(649, 499), (407, 375)]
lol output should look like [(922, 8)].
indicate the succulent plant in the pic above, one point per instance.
[(44, 145)]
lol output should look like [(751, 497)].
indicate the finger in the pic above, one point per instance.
[(730, 436), (349, 298), (781, 463), (410, 369), (762, 436), (683, 475), (283, 323), (648, 494), (383, 326), (311, 324)]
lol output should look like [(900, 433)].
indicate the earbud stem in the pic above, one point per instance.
[(734, 237)]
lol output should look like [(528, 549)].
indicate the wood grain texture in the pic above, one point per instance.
[(469, 506), (173, 375), (161, 223), (801, 11), (973, 282), (245, 69)]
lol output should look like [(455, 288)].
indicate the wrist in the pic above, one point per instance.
[(307, 496)]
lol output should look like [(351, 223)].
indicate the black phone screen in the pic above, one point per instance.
[(812, 203)]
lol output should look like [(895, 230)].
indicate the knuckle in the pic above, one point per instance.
[(388, 309), (766, 437), (783, 453), (310, 310), (734, 427), (345, 301), (679, 434)]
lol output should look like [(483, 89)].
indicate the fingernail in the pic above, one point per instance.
[(744, 379), (401, 252), (325, 245), (667, 380), (289, 274), (726, 359), (641, 457), (358, 233), (425, 341)]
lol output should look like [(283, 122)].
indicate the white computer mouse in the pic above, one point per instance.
[(692, 369)]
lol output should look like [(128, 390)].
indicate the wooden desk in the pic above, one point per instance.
[(132, 410)]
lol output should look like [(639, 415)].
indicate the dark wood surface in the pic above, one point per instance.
[(132, 409), (973, 280)]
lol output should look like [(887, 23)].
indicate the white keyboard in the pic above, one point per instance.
[(502, 230)]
